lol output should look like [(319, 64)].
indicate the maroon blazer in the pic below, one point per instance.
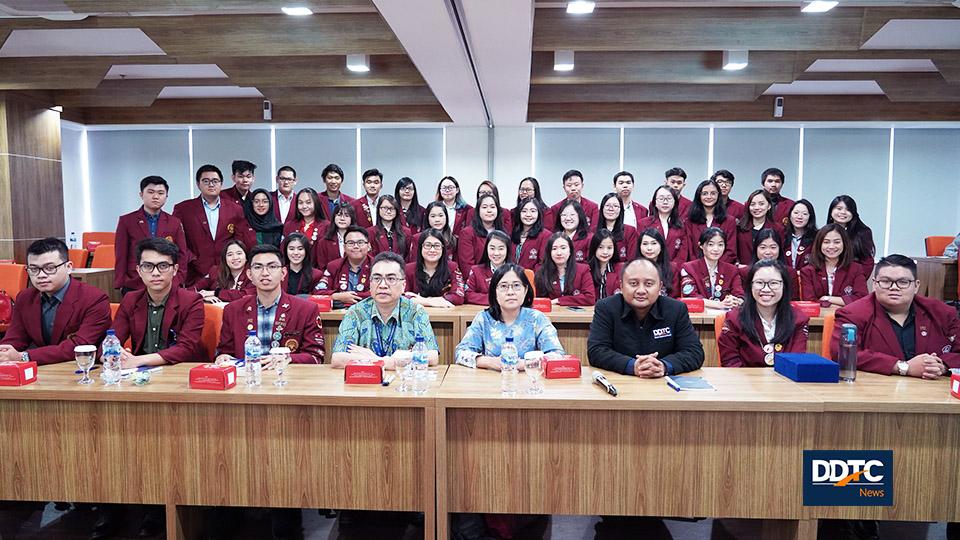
[(291, 212), (461, 221), (131, 229), (794, 281), (364, 211), (454, 293), (736, 210), (478, 285), (325, 199), (803, 252), (695, 281), (935, 324), (306, 287), (848, 283), (414, 227), (531, 252), (325, 251), (590, 208), (205, 249), (507, 216), (82, 319), (583, 293), (729, 228), (626, 248), (548, 218), (678, 249), (336, 278), (639, 210), (470, 248), (612, 280), (414, 247), (781, 210), (182, 325), (243, 286), (380, 243), (296, 320), (738, 350), (745, 240), (233, 194), (684, 207), (313, 233), (674, 282), (581, 248)]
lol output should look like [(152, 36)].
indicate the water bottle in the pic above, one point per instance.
[(509, 366), (420, 364), (111, 359), (848, 353), (73, 241), (252, 350)]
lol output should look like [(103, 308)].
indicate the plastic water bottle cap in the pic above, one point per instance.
[(509, 339), (111, 332), (251, 332)]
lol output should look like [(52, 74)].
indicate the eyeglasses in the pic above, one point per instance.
[(210, 182), (390, 279), (286, 179), (484, 194), (773, 285), (448, 189), (149, 267), (664, 199), (355, 243), (526, 190), (408, 188), (386, 208), (516, 286), (47, 269), (888, 284), (723, 182), (271, 268), (432, 246)]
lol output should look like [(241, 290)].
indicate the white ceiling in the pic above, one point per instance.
[(853, 65), (188, 92), (165, 71), (917, 34), (79, 42), (824, 88)]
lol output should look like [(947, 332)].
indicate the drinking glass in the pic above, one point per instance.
[(85, 356), (401, 362), (533, 365), (281, 359)]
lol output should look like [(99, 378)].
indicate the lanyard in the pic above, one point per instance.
[(378, 347)]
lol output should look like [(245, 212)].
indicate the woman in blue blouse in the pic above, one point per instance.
[(509, 313)]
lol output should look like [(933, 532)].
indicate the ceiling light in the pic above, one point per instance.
[(735, 60), (358, 63), (580, 7), (297, 11), (818, 6), (563, 61)]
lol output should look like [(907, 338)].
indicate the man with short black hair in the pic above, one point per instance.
[(725, 180), (332, 177), (57, 313), (285, 196), (149, 221), (573, 188), (243, 178), (633, 211), (366, 206), (676, 178), (772, 180), (347, 279), (898, 331)]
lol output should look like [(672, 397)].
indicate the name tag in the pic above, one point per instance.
[(660, 333)]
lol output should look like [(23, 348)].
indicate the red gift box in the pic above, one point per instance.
[(566, 367), (810, 309), (363, 373), (694, 305), (955, 385), (542, 304), (17, 373), (213, 377), (324, 302)]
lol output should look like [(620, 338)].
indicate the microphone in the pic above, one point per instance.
[(598, 378)]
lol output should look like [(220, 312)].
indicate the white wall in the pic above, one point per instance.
[(820, 161)]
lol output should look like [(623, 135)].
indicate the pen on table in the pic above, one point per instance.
[(388, 379)]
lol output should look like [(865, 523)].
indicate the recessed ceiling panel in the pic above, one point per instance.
[(165, 71), (207, 92), (825, 88), (79, 42), (917, 34), (856, 65)]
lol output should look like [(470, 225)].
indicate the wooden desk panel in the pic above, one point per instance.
[(938, 277), (101, 278)]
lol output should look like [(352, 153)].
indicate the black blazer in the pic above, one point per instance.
[(616, 336)]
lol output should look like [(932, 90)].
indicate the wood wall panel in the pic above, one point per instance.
[(319, 71), (349, 96), (626, 93)]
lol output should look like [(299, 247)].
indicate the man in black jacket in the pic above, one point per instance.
[(638, 332)]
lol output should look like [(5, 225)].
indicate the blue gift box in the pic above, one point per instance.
[(806, 367)]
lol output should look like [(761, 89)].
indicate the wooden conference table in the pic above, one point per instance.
[(462, 447), (938, 277)]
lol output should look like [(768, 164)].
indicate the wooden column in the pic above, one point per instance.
[(31, 184)]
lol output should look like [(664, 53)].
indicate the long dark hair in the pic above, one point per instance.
[(477, 222), (440, 282), (224, 275), (306, 270), (495, 235), (412, 214), (709, 234), (746, 224), (810, 231), (459, 202), (498, 274), (548, 271), (816, 253), (662, 261), (673, 221), (493, 188), (449, 240), (537, 226), (536, 191), (344, 208), (768, 234), (617, 223), (598, 269), (319, 214), (698, 213), (748, 311), (581, 215), (396, 229), (856, 230)]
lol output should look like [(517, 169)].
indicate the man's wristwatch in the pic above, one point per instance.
[(25, 356), (902, 367)]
